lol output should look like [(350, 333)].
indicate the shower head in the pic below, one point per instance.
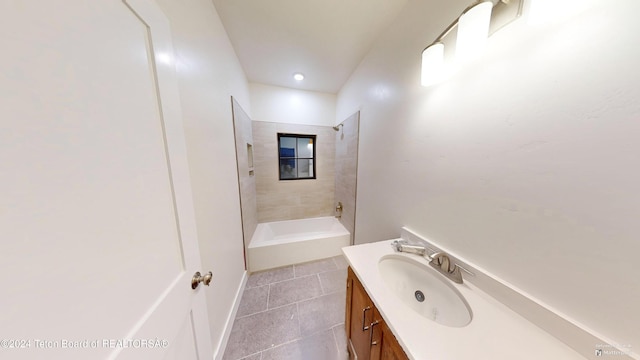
[(337, 127)]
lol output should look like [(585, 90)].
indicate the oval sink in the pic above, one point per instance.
[(425, 290)]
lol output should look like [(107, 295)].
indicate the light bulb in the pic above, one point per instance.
[(473, 31), (432, 64)]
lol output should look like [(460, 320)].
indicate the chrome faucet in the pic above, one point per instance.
[(441, 262), (339, 210), (438, 260)]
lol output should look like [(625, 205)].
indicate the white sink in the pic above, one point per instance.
[(424, 290)]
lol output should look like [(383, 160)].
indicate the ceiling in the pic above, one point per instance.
[(323, 39)]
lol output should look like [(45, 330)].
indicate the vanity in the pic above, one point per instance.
[(399, 307)]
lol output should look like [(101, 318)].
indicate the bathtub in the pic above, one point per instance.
[(282, 243)]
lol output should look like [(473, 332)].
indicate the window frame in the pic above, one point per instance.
[(296, 158)]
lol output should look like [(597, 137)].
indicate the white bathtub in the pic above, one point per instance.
[(282, 243)]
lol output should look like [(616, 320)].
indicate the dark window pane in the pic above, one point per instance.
[(305, 169), (305, 148), (288, 169)]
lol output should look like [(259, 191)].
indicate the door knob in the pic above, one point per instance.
[(199, 278)]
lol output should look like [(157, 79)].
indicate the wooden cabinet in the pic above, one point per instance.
[(368, 336), (389, 347)]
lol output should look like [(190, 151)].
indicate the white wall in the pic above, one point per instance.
[(525, 162), (209, 74), (292, 106)]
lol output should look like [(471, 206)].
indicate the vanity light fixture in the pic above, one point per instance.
[(473, 30), (433, 64), (474, 26), (298, 76)]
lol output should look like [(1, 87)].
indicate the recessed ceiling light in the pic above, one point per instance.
[(298, 76)]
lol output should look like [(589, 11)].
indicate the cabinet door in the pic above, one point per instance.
[(361, 311), (369, 337), (376, 337), (384, 345), (347, 318), (390, 349)]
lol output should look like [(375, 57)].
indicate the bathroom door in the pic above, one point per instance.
[(97, 232)]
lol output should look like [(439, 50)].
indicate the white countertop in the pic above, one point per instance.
[(495, 331)]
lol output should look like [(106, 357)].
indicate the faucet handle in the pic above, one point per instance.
[(442, 260), (397, 245)]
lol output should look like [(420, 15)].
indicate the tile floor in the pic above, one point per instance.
[(292, 313)]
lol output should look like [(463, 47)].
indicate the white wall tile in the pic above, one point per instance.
[(293, 199)]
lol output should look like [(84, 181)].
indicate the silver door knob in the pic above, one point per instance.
[(199, 278)]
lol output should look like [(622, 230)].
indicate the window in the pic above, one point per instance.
[(297, 156)]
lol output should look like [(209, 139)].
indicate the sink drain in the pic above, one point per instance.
[(419, 295)]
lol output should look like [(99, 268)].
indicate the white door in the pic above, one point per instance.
[(97, 231)]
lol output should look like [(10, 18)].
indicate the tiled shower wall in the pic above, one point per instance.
[(347, 170), (293, 199), (246, 179)]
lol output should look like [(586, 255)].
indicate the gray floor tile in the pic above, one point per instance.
[(260, 331), (314, 267), (341, 339), (290, 291), (341, 262), (320, 346), (321, 313), (257, 356), (333, 281), (270, 276), (305, 316), (253, 300)]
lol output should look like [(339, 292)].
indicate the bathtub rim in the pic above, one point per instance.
[(271, 254), (257, 240)]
